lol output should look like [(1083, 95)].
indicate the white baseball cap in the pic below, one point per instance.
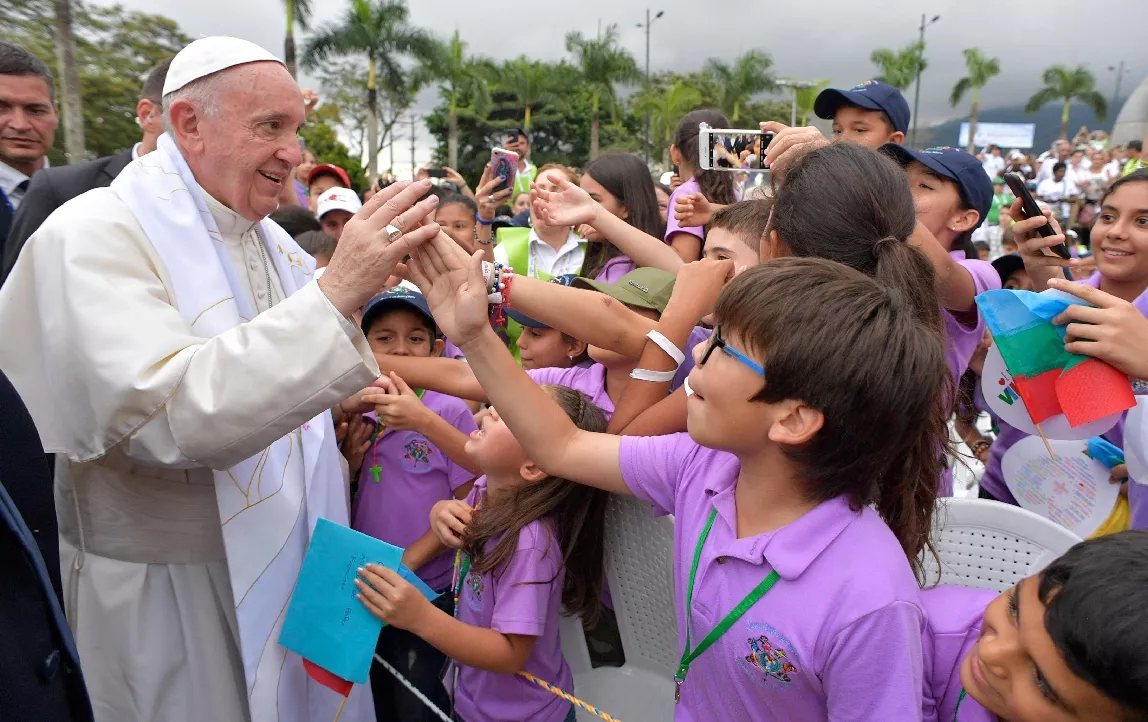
[(210, 55), (339, 199)]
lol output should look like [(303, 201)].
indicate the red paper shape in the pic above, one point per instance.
[(1092, 390), (328, 680), (1039, 395)]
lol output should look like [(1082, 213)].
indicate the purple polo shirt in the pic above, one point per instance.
[(698, 335), (615, 268), (1137, 493), (590, 380), (954, 625), (672, 225), (837, 638), (449, 350), (414, 474), (960, 340), (521, 597)]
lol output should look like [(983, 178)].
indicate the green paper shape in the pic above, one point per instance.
[(1034, 351)]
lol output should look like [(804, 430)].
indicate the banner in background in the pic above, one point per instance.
[(1006, 135)]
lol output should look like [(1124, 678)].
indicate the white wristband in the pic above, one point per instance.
[(664, 343), (686, 386), (654, 376), (488, 275)]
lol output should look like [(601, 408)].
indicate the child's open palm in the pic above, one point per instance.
[(454, 287), (390, 597), (568, 206)]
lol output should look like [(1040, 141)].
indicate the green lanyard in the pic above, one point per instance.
[(689, 655), (960, 698)]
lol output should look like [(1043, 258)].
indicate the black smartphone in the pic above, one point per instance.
[(675, 169), (436, 172), (1032, 210)]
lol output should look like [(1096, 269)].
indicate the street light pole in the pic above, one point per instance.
[(920, 60), (649, 21), (794, 85), (1116, 93)]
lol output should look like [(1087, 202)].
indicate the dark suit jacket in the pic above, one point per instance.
[(51, 188), (40, 675)]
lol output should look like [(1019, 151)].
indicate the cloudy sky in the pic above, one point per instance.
[(807, 40)]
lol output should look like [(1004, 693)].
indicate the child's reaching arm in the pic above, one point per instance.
[(444, 375), (956, 288), (572, 206), (422, 550), (668, 416), (457, 294), (397, 602)]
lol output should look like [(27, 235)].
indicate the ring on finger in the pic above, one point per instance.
[(393, 233), (491, 198)]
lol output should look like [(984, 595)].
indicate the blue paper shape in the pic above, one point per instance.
[(1008, 311), (1105, 452), (325, 622)]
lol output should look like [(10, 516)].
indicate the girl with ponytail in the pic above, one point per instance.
[(716, 186)]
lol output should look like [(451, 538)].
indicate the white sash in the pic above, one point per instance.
[(269, 503)]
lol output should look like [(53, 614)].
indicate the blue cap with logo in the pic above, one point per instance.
[(870, 95), (958, 166), (564, 280), (402, 296)]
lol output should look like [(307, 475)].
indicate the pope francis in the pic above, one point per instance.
[(179, 356)]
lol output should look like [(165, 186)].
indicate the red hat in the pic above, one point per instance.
[(332, 170)]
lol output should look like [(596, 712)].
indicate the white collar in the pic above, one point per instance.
[(572, 241), (230, 223), (136, 151), (10, 178)]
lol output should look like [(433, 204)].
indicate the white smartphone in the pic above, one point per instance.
[(732, 149)]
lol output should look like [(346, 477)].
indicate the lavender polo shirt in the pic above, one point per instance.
[(521, 597), (960, 340), (615, 268), (954, 625), (672, 225), (590, 380), (837, 638), (414, 475)]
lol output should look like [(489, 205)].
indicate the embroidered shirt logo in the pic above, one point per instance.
[(418, 452), (771, 659), (1140, 386), (476, 586)]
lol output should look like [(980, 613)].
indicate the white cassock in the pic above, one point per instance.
[(145, 413)]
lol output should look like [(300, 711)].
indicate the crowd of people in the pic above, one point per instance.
[(218, 340)]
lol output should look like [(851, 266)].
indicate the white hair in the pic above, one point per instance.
[(203, 93)]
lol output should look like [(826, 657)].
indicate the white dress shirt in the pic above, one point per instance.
[(545, 259), (10, 180)]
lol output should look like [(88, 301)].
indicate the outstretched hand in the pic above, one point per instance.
[(454, 287), (693, 209), (1111, 329), (567, 206)]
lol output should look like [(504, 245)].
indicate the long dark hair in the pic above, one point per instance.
[(854, 349), (1138, 175), (852, 205), (628, 179), (578, 512), (717, 186)]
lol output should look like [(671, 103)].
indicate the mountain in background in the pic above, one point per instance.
[(1047, 121)]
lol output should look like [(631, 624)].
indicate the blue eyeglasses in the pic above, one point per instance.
[(716, 341)]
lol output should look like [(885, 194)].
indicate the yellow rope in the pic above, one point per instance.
[(568, 697)]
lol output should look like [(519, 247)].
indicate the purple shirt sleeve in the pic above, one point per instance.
[(526, 585), (672, 226), (462, 420), (654, 466), (863, 651)]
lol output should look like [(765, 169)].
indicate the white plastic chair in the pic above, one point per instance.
[(640, 568), (990, 545)]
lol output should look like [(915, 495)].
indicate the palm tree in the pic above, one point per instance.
[(666, 109), (298, 11), (530, 82), (807, 96), (981, 69), (748, 76), (900, 68), (379, 30), (463, 87), (1066, 85), (602, 62)]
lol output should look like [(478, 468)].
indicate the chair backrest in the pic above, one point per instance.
[(640, 568), (990, 545)]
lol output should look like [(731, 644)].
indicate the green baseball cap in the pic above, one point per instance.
[(642, 287)]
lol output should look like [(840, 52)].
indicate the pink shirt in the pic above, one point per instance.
[(837, 638), (954, 625), (521, 597), (672, 225), (413, 475)]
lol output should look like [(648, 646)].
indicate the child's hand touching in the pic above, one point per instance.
[(449, 519), (397, 406), (1111, 329), (698, 286), (693, 210), (454, 286), (391, 598), (356, 440), (568, 206)]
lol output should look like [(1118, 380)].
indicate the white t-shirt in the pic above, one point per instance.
[(1053, 191), (994, 165)]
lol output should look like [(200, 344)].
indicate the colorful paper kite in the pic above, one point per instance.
[(1050, 380)]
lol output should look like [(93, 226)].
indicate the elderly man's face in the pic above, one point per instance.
[(248, 149)]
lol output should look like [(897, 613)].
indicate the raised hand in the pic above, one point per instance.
[(698, 286), (790, 144), (1111, 329), (367, 254), (454, 286), (356, 441), (449, 519), (487, 197), (567, 206), (397, 406), (693, 209)]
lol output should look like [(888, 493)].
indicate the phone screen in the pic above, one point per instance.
[(735, 150), (436, 172), (504, 165)]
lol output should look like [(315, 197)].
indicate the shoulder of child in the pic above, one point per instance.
[(448, 407)]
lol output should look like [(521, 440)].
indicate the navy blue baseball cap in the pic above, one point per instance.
[(871, 95), (965, 170), (396, 296), (564, 280)]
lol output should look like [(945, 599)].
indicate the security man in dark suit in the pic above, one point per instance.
[(53, 187), (40, 675)]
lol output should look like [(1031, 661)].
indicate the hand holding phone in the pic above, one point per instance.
[(1032, 209), (504, 165), (729, 149)]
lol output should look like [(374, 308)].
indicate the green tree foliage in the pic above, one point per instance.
[(319, 136), (899, 68), (1068, 85), (604, 64), (746, 77), (116, 48), (981, 70)]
